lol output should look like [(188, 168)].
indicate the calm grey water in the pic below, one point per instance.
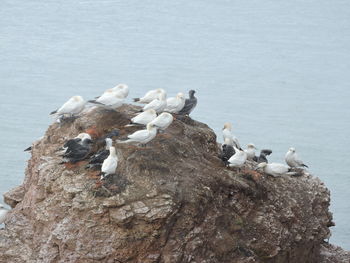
[(278, 70)]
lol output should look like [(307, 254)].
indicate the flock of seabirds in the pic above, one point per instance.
[(156, 115)]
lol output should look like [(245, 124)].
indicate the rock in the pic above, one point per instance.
[(171, 201), (333, 254), (14, 196)]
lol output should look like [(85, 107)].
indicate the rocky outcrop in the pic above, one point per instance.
[(171, 201)]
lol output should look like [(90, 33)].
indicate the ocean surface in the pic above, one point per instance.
[(278, 70)]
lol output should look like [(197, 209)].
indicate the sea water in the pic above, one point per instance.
[(278, 70)]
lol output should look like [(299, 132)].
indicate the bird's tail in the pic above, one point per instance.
[(304, 165), (127, 141), (53, 112), (136, 99), (95, 102)]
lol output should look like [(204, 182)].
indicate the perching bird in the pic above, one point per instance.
[(110, 164), (227, 133), (227, 152), (71, 142), (149, 96), (262, 157), (176, 104), (144, 118), (158, 104), (122, 90), (190, 103), (292, 159), (142, 136), (238, 159), (98, 158), (72, 107), (163, 121), (274, 169), (3, 213), (110, 99), (77, 152), (250, 151)]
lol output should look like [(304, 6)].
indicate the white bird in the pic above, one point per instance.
[(142, 136), (72, 107), (158, 104), (274, 169), (122, 90), (3, 213), (163, 120), (110, 99), (110, 164), (238, 159), (292, 159), (149, 96), (250, 151), (227, 133), (175, 105), (144, 117)]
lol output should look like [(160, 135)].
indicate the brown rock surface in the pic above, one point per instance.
[(172, 201)]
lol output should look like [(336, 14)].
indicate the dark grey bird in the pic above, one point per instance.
[(227, 152), (111, 134), (98, 158), (77, 152), (262, 157), (190, 103)]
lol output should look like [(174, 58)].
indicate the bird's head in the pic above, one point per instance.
[(261, 166), (180, 95), (227, 125), (191, 93), (292, 150), (251, 146)]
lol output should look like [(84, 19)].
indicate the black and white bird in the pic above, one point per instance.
[(110, 164), (72, 107), (274, 169), (238, 159), (293, 160), (163, 121), (122, 90), (143, 118), (77, 152), (158, 104), (250, 151), (98, 158), (79, 139), (175, 104), (3, 213), (149, 96), (227, 152), (229, 137), (262, 157), (190, 103), (142, 136), (110, 99)]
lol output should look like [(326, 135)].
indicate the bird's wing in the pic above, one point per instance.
[(171, 103), (139, 135), (153, 104), (67, 107), (109, 100), (189, 106), (152, 94)]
